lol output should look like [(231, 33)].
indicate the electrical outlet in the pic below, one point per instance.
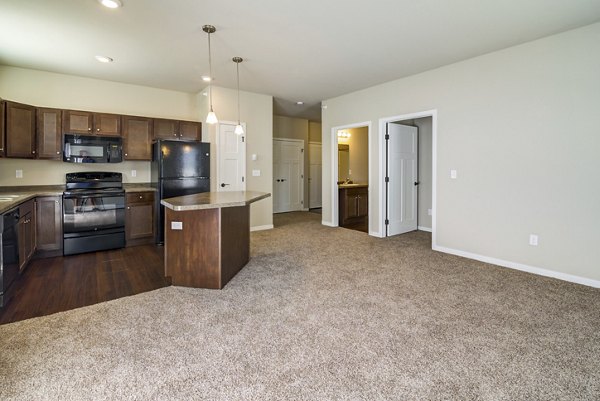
[(134, 173), (176, 225), (453, 174), (349, 172), (533, 239), (19, 173), (255, 173), (429, 212)]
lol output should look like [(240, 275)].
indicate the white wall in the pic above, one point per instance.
[(257, 112), (521, 128)]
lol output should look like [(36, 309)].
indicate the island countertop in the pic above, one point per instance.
[(213, 200)]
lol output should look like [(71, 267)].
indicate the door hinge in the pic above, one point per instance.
[(302, 202), (243, 139), (387, 222), (301, 150), (242, 179), (387, 137), (302, 176), (387, 179)]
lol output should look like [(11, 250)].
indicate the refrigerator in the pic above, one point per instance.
[(178, 168)]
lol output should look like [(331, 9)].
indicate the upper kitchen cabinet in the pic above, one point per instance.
[(190, 130), (107, 124), (166, 129), (137, 138), (2, 143), (88, 123), (49, 133), (78, 122), (20, 130)]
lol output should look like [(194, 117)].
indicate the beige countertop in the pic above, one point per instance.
[(342, 186), (213, 200), (11, 197)]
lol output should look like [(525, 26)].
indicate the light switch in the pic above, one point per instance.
[(533, 240), (176, 225), (453, 174), (255, 173), (19, 174), (134, 173), (254, 157)]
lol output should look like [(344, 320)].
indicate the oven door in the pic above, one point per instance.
[(92, 212)]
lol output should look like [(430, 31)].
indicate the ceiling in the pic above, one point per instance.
[(293, 50)]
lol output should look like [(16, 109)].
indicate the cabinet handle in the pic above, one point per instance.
[(1, 149), (97, 129), (128, 208), (140, 196), (125, 154), (89, 129), (58, 153), (33, 151)]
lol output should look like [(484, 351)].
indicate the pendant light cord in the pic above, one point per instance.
[(237, 65), (210, 73)]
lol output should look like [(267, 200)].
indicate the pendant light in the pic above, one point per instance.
[(211, 118), (238, 128)]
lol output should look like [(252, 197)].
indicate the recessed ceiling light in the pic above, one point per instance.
[(299, 103), (111, 3), (104, 59), (206, 78)]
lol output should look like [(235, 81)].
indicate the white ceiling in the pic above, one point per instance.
[(294, 50)]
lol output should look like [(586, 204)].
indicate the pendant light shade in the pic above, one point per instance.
[(238, 128), (211, 118)]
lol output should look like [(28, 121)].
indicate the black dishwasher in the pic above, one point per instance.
[(9, 255)]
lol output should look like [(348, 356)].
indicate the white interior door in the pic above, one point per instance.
[(231, 151), (288, 175), (402, 168), (315, 189)]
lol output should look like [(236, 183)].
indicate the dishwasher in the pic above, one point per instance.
[(9, 254)]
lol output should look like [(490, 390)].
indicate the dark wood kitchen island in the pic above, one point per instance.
[(207, 237)]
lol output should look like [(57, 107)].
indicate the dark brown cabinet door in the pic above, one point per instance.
[(190, 130), (139, 218), (49, 223), (2, 138), (77, 122), (351, 206), (49, 134), (362, 201), (26, 228), (20, 130), (137, 138), (166, 129), (107, 124)]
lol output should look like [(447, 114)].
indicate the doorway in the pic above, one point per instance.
[(407, 165), (315, 172), (231, 158), (288, 175)]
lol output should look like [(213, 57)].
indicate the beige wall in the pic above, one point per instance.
[(257, 113), (295, 128), (46, 89), (314, 131), (520, 126)]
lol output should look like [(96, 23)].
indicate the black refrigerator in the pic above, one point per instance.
[(178, 168)]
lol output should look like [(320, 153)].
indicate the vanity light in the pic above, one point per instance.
[(104, 59), (238, 128), (206, 78), (299, 103), (211, 118), (343, 134), (111, 3)]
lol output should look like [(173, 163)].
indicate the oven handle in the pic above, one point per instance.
[(98, 195)]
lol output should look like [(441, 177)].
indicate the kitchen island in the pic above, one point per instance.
[(207, 237)]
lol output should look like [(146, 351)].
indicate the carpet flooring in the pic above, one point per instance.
[(321, 313)]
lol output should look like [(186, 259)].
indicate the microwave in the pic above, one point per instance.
[(92, 149)]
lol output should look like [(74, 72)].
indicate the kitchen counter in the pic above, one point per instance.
[(207, 237), (11, 197), (213, 200)]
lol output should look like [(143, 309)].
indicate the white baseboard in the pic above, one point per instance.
[(519, 266), (305, 209), (421, 228), (260, 228), (375, 234), (328, 223)]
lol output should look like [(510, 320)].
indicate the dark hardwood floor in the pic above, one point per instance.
[(62, 283)]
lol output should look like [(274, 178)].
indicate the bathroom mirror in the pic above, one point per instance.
[(343, 162)]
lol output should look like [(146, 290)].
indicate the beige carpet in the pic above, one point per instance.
[(322, 314)]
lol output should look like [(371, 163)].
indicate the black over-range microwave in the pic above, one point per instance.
[(92, 149)]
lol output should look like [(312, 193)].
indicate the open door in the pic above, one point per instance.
[(402, 145)]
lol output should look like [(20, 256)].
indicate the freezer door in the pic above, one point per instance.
[(184, 159)]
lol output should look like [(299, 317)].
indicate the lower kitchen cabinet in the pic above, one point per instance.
[(49, 226), (354, 206), (26, 229), (139, 218)]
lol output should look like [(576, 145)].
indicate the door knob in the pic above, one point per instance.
[(282, 180), (223, 185), (416, 182)]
